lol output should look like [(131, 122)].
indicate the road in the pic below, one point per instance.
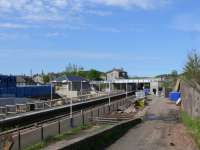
[(161, 130)]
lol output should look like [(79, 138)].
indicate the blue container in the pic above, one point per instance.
[(20, 92), (33, 91), (11, 81), (147, 91), (174, 96)]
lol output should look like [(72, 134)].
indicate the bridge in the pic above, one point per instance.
[(132, 84)]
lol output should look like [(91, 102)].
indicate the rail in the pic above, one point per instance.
[(60, 116)]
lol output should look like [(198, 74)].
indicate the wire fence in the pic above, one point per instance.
[(21, 138)]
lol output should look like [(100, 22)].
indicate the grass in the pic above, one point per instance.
[(140, 103), (57, 138), (193, 125)]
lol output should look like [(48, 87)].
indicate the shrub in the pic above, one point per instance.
[(192, 67)]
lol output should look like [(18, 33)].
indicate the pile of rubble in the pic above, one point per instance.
[(132, 106), (127, 108)]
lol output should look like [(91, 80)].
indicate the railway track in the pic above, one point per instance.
[(40, 116)]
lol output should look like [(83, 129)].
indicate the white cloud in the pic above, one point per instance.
[(13, 26), (38, 10), (57, 10), (144, 4), (186, 23), (12, 36), (55, 34), (99, 12), (75, 54), (66, 14)]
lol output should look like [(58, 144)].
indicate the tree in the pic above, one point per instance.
[(174, 73), (192, 66), (46, 78), (75, 70), (94, 75)]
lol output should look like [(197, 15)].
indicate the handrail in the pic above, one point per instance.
[(54, 119)]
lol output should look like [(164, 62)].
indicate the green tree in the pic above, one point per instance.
[(94, 75), (46, 78), (192, 67), (174, 73)]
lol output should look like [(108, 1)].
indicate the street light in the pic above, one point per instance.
[(126, 89), (109, 92), (99, 87), (51, 94), (71, 101), (82, 81), (81, 88)]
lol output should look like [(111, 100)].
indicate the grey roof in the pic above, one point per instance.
[(118, 70), (70, 79), (24, 79)]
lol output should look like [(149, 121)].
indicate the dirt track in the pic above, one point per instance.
[(161, 130)]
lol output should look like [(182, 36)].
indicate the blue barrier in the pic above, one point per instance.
[(174, 96), (27, 91), (147, 91)]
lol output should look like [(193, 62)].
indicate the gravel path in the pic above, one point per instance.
[(161, 130)]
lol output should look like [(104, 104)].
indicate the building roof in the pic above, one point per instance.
[(25, 79), (118, 70), (70, 79)]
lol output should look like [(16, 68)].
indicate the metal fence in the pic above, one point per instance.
[(20, 139), (9, 110)]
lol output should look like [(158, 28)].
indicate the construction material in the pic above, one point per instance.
[(178, 101), (177, 87), (174, 96)]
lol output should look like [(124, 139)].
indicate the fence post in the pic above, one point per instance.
[(98, 112), (72, 122), (91, 115), (83, 118), (42, 133), (19, 140), (59, 131)]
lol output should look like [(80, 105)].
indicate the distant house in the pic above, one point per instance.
[(38, 79), (71, 86), (116, 74), (24, 80)]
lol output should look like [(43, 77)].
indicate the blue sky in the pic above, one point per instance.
[(145, 37)]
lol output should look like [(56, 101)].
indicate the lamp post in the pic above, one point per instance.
[(51, 94), (99, 87), (109, 92), (82, 81), (126, 89), (81, 88), (71, 102)]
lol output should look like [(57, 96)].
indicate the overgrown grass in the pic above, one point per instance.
[(193, 125), (57, 138), (140, 103)]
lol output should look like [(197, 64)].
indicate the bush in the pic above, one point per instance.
[(192, 67), (193, 125)]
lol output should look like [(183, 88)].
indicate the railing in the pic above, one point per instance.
[(10, 110), (23, 137)]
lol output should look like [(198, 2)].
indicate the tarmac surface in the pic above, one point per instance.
[(161, 130)]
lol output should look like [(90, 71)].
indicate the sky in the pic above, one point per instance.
[(145, 37)]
